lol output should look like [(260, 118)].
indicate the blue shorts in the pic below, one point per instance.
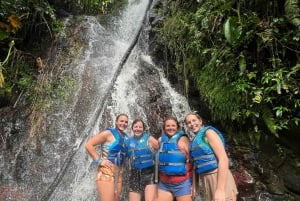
[(177, 189)]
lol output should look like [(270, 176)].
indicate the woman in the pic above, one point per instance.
[(210, 160), (175, 170), (110, 161), (141, 150)]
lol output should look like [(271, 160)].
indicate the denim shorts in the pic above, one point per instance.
[(177, 189)]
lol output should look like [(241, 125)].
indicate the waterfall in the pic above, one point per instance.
[(78, 181), (129, 94), (108, 49), (115, 75)]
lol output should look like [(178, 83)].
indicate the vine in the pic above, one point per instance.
[(244, 58)]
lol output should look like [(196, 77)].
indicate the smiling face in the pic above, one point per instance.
[(138, 128), (170, 126), (193, 122), (122, 122)]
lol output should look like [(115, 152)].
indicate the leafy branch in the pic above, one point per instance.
[(11, 44)]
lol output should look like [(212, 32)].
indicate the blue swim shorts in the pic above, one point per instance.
[(177, 189)]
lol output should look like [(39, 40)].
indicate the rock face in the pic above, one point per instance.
[(13, 128), (265, 174), (23, 163), (158, 107), (12, 193)]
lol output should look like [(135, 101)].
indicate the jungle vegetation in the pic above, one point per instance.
[(28, 28), (30, 31), (243, 57)]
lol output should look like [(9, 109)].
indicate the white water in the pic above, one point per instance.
[(62, 171), (78, 181), (97, 70), (124, 96)]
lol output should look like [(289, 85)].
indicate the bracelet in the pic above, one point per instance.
[(97, 162)]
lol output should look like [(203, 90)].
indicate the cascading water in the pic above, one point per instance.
[(78, 181), (108, 49), (115, 76), (131, 94)]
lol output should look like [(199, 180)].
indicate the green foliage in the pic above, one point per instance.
[(33, 25), (46, 92), (25, 82), (26, 21), (244, 58), (292, 10), (3, 63), (63, 88), (232, 30), (18, 77), (90, 7)]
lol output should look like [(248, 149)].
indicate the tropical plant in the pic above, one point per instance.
[(244, 57), (33, 25), (11, 44)]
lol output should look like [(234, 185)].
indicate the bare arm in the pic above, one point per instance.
[(183, 144), (159, 141), (98, 139), (153, 143), (219, 150)]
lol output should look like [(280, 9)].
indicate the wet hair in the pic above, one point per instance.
[(138, 120), (120, 115), (171, 118)]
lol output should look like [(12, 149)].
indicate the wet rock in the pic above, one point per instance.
[(292, 182), (291, 177), (242, 177), (245, 183), (13, 193)]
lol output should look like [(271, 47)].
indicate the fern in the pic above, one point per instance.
[(269, 120), (292, 10)]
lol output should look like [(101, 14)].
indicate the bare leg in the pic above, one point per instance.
[(234, 196), (106, 190), (164, 196), (134, 196), (184, 198), (150, 192)]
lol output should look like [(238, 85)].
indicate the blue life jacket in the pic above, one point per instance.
[(201, 153), (116, 151), (139, 152), (172, 160)]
